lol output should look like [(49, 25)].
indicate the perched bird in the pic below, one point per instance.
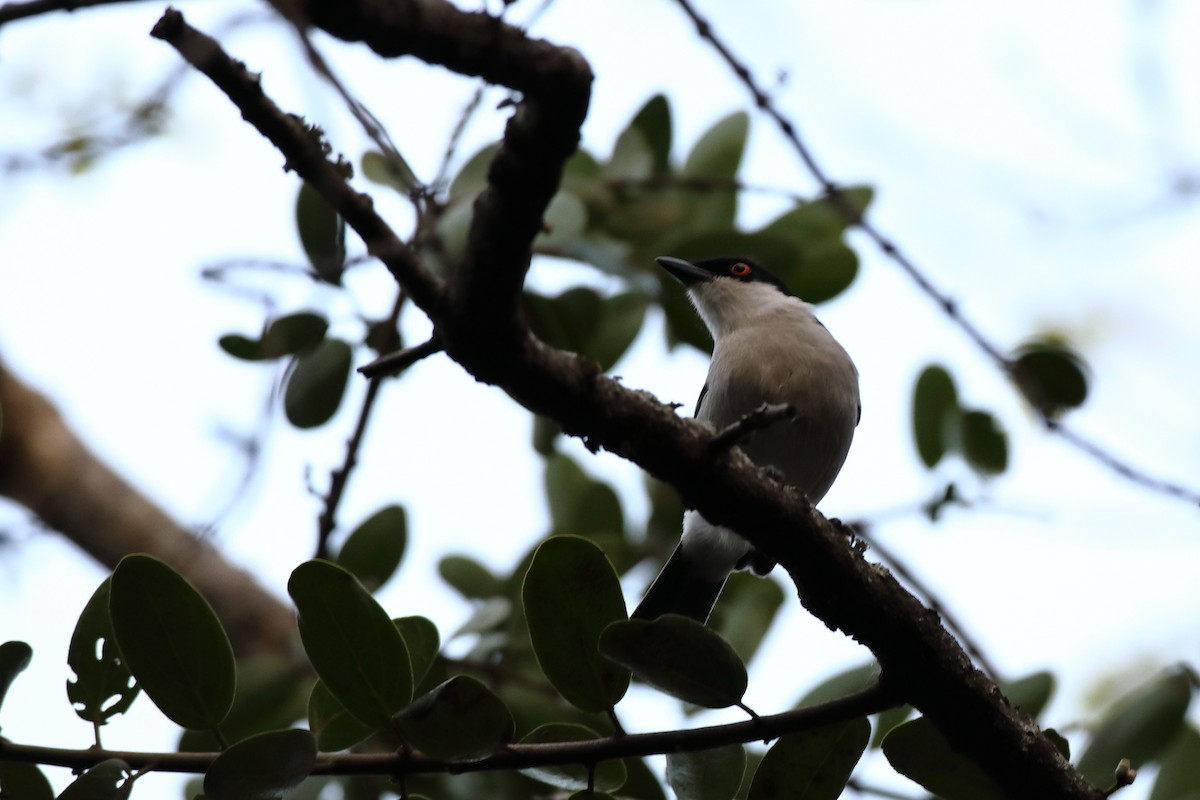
[(768, 347)]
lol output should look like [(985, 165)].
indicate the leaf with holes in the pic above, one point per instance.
[(103, 686)]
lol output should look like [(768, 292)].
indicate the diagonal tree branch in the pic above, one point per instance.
[(921, 662)]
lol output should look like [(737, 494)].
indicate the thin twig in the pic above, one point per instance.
[(10, 12), (397, 362), (340, 477), (888, 246), (764, 416)]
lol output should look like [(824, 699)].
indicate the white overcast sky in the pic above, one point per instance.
[(1025, 154)]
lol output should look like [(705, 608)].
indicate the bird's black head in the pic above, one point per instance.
[(736, 268)]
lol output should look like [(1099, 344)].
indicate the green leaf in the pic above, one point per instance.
[(640, 782), (610, 775), (374, 549), (293, 333), (334, 727), (322, 234), (813, 764), (679, 656), (632, 158), (565, 220), (241, 347), (14, 658), (172, 642), (262, 767), (24, 782), (316, 384), (1031, 693), (469, 578), (102, 687), (1139, 726), (421, 637), (718, 154), (460, 720), (582, 321), (471, 179), (272, 693), (919, 751), (1051, 377), (708, 774), (570, 594), (394, 171), (935, 409), (579, 503), (620, 322), (984, 442), (748, 607), (108, 780), (653, 120), (1179, 776), (844, 683), (353, 644), (885, 721)]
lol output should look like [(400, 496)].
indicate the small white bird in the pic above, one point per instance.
[(769, 347)]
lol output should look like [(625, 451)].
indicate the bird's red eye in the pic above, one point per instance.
[(739, 270)]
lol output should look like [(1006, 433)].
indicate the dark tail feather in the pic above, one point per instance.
[(679, 590)]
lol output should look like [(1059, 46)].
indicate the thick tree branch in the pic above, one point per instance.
[(47, 469), (515, 756), (483, 332)]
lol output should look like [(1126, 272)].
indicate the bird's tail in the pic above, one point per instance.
[(679, 589)]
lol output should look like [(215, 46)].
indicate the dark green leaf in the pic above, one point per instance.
[(885, 721), (640, 782), (565, 220), (1052, 377), (748, 607), (469, 578), (570, 594), (473, 176), (718, 155), (334, 727), (1179, 776), (272, 693), (1031, 693), (841, 684), (353, 644), (919, 751), (23, 782), (262, 767), (825, 269), (460, 720), (102, 687), (421, 637), (452, 229), (14, 658), (579, 503), (293, 333), (1139, 726), (984, 442), (108, 780), (172, 642), (680, 657), (316, 384), (822, 218), (322, 233), (654, 122), (488, 615), (1059, 741), (935, 409), (610, 775), (620, 323), (241, 347), (814, 764), (632, 158), (545, 435), (390, 171), (707, 774), (374, 549)]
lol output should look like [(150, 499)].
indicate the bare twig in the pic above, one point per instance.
[(889, 247), (11, 12), (394, 363), (764, 416)]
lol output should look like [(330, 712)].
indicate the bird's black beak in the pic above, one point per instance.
[(685, 272)]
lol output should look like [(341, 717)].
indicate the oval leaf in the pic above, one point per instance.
[(814, 764), (14, 658), (352, 642), (316, 384), (654, 121), (322, 233), (172, 642), (469, 578), (460, 720), (374, 549), (708, 774), (102, 687), (1179, 776), (718, 154), (570, 594), (679, 656), (108, 780), (262, 767), (918, 751), (334, 726), (1139, 727), (1051, 377), (1031, 693), (579, 503), (422, 639), (841, 684), (984, 442), (391, 171), (292, 334), (609, 776), (24, 782), (272, 693), (748, 607), (241, 347), (935, 405)]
